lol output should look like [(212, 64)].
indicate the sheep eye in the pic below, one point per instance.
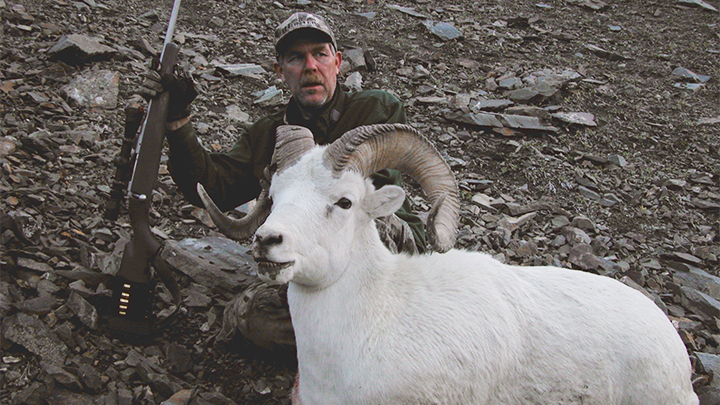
[(344, 203)]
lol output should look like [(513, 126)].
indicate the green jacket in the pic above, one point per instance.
[(231, 178)]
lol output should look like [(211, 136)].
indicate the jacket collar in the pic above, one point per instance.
[(322, 124)]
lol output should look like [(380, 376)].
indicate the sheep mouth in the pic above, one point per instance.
[(271, 266)]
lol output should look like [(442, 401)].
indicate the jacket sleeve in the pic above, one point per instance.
[(228, 178)]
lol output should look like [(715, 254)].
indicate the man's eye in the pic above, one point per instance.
[(344, 203)]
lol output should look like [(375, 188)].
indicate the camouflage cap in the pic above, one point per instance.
[(300, 21)]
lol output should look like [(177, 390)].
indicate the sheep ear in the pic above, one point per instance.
[(384, 201)]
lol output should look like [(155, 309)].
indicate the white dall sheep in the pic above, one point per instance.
[(459, 327)]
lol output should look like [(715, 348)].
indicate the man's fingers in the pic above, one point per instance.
[(153, 85), (146, 93), (153, 75)]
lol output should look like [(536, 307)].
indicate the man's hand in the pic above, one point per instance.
[(179, 85)]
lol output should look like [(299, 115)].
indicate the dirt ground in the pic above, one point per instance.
[(662, 199)]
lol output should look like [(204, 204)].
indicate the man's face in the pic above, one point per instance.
[(310, 69)]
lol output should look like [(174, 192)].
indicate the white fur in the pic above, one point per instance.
[(455, 328)]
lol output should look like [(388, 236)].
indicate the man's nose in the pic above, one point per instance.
[(310, 63)]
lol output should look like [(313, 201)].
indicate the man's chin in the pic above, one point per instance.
[(312, 102)]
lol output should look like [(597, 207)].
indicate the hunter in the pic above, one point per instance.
[(308, 61)]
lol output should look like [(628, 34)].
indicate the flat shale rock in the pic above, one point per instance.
[(94, 89), (76, 49), (33, 334), (212, 261)]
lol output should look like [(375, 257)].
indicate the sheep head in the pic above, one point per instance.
[(323, 203)]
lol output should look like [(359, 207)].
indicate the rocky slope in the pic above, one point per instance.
[(583, 134)]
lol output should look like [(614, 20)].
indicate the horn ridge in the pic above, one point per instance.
[(237, 229), (369, 149), (291, 142)]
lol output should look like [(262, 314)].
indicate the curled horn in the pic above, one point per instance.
[(372, 148), (291, 142)]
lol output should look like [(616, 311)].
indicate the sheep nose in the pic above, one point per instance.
[(268, 240)]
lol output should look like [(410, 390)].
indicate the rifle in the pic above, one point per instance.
[(132, 286)]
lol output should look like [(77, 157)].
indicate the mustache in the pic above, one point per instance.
[(311, 80)]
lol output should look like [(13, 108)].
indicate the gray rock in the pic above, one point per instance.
[(610, 199), (124, 397), (483, 201), (491, 105), (689, 86), (524, 122), (62, 376), (407, 10), (34, 335), (7, 146), (583, 223), (699, 280), (539, 92), (5, 299), (700, 303), (369, 15), (560, 221), (701, 121), (212, 261), (683, 258), (58, 397), (250, 70), (77, 49), (595, 5), (35, 393), (605, 54), (178, 359), (354, 81), (589, 194), (523, 249), (432, 100), (444, 31), (699, 4), (161, 384), (577, 118), (675, 184), (355, 58), (217, 398), (513, 223), (217, 22), (709, 395), (690, 75), (485, 120), (39, 305), (617, 160), (530, 110), (576, 236), (582, 256), (268, 97), (236, 113), (94, 89), (509, 83), (83, 310), (196, 297), (711, 363)]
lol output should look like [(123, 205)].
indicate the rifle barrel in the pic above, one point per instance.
[(171, 26)]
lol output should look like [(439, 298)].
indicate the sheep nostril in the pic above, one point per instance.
[(274, 240), (268, 240)]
